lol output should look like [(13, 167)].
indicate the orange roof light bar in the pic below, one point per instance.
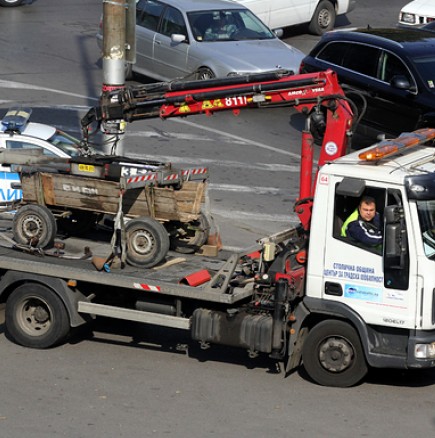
[(405, 141)]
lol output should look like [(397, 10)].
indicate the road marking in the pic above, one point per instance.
[(253, 216), (269, 167), (238, 138), (246, 189)]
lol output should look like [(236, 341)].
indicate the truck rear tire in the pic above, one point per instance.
[(34, 225), (323, 18), (147, 242), (36, 317), (333, 356)]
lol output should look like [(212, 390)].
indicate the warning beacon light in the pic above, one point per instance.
[(16, 119)]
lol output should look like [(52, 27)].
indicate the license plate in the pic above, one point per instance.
[(87, 168)]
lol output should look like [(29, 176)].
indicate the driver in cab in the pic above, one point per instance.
[(364, 225)]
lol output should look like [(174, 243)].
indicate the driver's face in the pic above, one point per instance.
[(367, 210)]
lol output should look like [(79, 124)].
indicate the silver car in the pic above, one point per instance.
[(202, 39)]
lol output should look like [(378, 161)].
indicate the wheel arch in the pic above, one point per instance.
[(13, 279), (322, 310)]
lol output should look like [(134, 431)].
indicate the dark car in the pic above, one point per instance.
[(394, 69)]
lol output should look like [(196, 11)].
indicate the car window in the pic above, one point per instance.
[(334, 53), (357, 57), (66, 143), (227, 25), (20, 144), (173, 22), (148, 13), (390, 66), (426, 68), (362, 59)]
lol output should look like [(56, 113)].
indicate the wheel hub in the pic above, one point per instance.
[(32, 226), (335, 354), (142, 242), (324, 18)]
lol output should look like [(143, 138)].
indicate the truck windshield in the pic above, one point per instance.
[(426, 216)]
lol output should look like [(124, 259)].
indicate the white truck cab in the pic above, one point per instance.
[(388, 292)]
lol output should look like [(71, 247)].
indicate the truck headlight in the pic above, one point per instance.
[(425, 351), (408, 18)]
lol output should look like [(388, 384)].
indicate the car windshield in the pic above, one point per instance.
[(426, 69), (227, 25), (66, 143), (426, 217)]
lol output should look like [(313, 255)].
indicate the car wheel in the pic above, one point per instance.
[(189, 237), (10, 3), (147, 242), (34, 225), (323, 19), (204, 73)]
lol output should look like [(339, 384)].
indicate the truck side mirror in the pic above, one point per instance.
[(395, 241)]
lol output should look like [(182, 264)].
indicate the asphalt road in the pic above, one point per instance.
[(126, 380)]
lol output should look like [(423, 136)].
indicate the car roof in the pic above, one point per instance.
[(411, 41), (203, 5), (36, 130)]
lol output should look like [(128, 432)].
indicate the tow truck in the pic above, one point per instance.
[(307, 295)]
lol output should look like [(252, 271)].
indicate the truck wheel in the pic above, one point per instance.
[(332, 355), (36, 317), (190, 236), (147, 242), (323, 18), (34, 224)]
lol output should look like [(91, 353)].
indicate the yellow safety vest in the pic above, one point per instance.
[(351, 218)]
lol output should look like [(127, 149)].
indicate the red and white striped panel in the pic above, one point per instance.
[(142, 178), (196, 171), (172, 177), (147, 287)]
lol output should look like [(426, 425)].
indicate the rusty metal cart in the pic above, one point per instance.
[(162, 206)]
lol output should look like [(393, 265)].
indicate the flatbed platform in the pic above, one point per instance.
[(163, 279)]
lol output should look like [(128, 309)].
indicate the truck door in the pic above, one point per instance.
[(354, 273)]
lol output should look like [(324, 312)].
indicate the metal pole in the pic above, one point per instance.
[(114, 58)]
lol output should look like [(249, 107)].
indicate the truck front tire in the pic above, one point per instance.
[(333, 356), (36, 317)]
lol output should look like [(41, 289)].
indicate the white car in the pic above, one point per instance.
[(417, 13), (319, 14), (17, 133)]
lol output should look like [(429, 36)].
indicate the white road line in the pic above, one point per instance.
[(246, 189), (238, 138), (269, 167), (252, 216)]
